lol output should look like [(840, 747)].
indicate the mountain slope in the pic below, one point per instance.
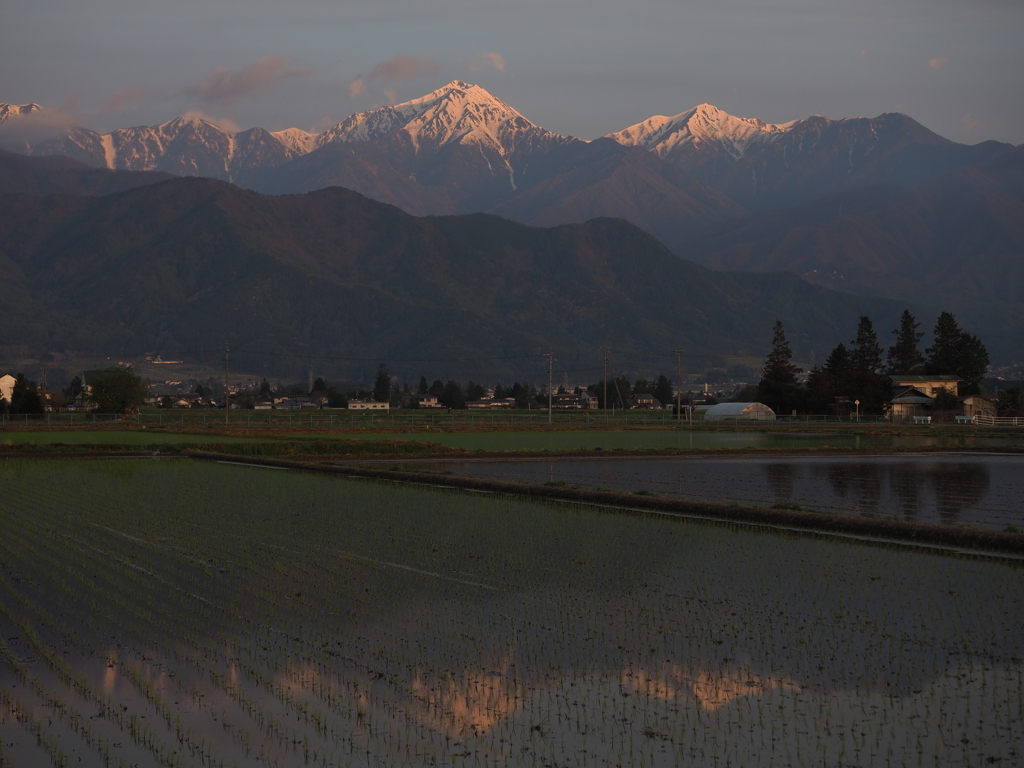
[(957, 240), (181, 266), (49, 175), (607, 179)]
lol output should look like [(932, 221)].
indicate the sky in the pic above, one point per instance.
[(578, 67)]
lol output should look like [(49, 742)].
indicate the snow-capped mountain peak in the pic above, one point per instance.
[(7, 111), (297, 140), (459, 112), (704, 126)]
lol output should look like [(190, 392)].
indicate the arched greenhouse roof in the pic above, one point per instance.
[(758, 411)]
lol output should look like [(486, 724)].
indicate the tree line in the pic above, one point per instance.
[(112, 390), (862, 370)]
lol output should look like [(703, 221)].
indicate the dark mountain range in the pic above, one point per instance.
[(955, 241), (49, 175), (182, 266)]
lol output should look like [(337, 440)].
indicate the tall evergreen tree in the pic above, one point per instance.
[(904, 355), (778, 388), (423, 387), (867, 382), (382, 384), (954, 352), (944, 353), (828, 382), (663, 390)]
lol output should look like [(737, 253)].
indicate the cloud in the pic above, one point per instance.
[(401, 67), (391, 96), (488, 59), (133, 94), (938, 62), (357, 87), (404, 67), (224, 84), (47, 123)]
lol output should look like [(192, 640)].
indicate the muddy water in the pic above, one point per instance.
[(953, 489)]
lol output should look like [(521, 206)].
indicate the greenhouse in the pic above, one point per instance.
[(739, 412)]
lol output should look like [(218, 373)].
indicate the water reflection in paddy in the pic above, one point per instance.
[(952, 489)]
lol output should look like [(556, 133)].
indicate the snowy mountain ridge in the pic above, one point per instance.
[(7, 111), (461, 149), (459, 112), (703, 125)]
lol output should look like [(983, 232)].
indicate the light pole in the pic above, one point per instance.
[(679, 386), (857, 403)]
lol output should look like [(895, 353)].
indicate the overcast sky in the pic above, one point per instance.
[(579, 67)]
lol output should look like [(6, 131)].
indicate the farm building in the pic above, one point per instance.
[(739, 412), (367, 405)]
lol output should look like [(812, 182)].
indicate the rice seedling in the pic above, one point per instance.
[(175, 613)]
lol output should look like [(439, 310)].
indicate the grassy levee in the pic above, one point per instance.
[(959, 539)]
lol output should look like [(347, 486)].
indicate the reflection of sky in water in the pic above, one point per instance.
[(949, 489)]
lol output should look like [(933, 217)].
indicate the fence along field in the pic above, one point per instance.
[(171, 613)]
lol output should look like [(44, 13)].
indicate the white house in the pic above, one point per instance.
[(7, 387), (367, 405)]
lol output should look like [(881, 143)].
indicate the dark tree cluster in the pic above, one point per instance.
[(862, 371), (118, 390)]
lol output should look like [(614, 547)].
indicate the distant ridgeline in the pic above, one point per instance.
[(333, 281), (875, 206)]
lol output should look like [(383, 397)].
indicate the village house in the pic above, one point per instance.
[(367, 405), (913, 395), (976, 405), (7, 383), (491, 403), (425, 401), (644, 402)]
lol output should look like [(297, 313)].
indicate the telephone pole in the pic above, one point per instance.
[(679, 386), (227, 397), (604, 378), (551, 362)]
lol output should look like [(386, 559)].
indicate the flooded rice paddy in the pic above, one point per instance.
[(175, 613), (692, 440), (952, 489)]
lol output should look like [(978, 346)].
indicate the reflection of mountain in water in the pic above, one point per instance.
[(956, 485)]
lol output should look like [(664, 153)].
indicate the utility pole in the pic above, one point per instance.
[(604, 378), (227, 397), (551, 362), (679, 385)]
